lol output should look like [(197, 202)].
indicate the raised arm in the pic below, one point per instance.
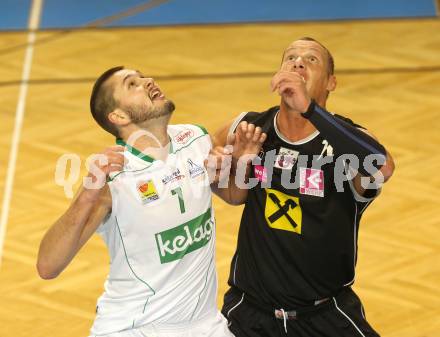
[(230, 161), (347, 138), (71, 231)]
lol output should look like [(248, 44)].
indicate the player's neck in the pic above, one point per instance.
[(151, 139), (292, 125)]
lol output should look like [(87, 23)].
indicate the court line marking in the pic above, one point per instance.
[(34, 21)]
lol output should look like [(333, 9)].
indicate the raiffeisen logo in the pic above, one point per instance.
[(175, 243)]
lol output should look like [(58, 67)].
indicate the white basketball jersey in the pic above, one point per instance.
[(161, 238)]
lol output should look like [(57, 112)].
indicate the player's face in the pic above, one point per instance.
[(139, 96), (310, 60)]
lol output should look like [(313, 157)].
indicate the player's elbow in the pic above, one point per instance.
[(229, 196), (46, 271), (233, 202), (388, 169), (236, 202)]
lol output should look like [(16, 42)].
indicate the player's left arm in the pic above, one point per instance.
[(378, 178)]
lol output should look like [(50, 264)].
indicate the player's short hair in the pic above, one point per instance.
[(102, 101), (330, 60)]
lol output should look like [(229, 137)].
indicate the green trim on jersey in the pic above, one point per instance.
[(149, 159), (114, 177), (190, 143), (140, 154), (204, 287), (135, 151), (129, 265), (202, 128)]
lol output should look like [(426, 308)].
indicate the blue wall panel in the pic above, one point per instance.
[(14, 14), (202, 11), (77, 13)]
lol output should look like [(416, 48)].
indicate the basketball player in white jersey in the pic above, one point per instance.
[(154, 213)]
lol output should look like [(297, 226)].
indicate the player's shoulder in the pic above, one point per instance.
[(348, 120), (258, 118), (185, 134)]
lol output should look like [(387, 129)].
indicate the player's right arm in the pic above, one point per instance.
[(73, 229)]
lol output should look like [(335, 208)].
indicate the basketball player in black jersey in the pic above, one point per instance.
[(307, 189)]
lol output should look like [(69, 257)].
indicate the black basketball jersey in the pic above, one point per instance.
[(297, 240)]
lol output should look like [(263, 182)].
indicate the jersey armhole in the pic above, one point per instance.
[(236, 122), (105, 224)]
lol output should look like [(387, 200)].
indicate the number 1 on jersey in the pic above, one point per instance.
[(179, 193)]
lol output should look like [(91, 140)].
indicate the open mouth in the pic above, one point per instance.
[(155, 93)]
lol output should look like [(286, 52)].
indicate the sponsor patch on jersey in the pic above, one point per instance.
[(147, 191), (194, 169), (260, 173), (184, 136), (286, 158), (175, 176), (173, 244), (283, 211), (311, 182)]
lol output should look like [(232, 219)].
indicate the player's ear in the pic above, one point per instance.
[(119, 117), (331, 84)]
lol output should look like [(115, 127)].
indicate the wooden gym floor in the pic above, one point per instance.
[(388, 80)]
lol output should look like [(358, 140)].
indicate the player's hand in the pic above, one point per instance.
[(246, 142), (291, 86), (101, 165), (218, 164)]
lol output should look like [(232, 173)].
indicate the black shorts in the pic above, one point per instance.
[(341, 316)]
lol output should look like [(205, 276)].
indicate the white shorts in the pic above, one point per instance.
[(209, 326)]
